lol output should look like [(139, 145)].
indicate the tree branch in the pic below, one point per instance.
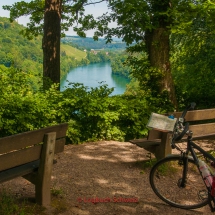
[(94, 2)]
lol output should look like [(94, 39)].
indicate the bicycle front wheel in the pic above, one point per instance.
[(165, 180)]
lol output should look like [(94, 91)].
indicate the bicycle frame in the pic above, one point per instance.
[(190, 148)]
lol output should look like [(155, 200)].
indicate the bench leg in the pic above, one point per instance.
[(43, 182), (164, 148)]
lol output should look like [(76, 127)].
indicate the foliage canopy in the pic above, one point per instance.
[(92, 114)]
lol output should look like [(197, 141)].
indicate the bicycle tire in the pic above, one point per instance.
[(165, 177)]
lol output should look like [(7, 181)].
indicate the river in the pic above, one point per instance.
[(90, 75)]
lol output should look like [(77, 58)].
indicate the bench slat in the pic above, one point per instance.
[(27, 155), (202, 129), (20, 157), (196, 115), (204, 137), (144, 142), (19, 171), (30, 138)]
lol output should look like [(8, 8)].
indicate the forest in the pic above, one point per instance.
[(172, 66), (89, 43), (19, 52)]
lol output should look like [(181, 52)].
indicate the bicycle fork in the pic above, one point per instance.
[(184, 161), (211, 202)]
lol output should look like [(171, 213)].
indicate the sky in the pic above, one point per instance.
[(96, 10)]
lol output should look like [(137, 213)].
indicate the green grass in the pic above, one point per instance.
[(73, 52), (10, 204), (56, 192), (146, 164)]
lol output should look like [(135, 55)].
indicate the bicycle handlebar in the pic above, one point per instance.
[(191, 106)]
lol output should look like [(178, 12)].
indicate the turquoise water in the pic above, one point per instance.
[(92, 74)]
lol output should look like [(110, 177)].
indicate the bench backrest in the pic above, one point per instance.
[(202, 128), (23, 148)]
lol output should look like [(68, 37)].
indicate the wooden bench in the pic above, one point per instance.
[(31, 155), (158, 142)]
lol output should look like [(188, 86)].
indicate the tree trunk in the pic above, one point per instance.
[(158, 47), (51, 43)]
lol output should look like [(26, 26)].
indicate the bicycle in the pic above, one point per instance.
[(178, 179)]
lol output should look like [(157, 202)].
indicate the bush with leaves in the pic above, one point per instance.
[(92, 113), (22, 108)]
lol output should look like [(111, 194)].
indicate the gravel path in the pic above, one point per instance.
[(99, 178)]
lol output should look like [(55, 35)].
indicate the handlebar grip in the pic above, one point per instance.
[(191, 106)]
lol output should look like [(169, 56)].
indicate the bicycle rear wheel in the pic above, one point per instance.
[(165, 178)]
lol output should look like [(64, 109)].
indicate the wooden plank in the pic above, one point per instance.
[(202, 129), (147, 144), (23, 156), (154, 134), (43, 183), (144, 142), (30, 138), (164, 148), (204, 137), (20, 157), (32, 176), (59, 145), (196, 115), (18, 171)]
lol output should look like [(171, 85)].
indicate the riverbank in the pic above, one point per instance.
[(94, 75)]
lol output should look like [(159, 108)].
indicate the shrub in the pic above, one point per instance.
[(92, 113)]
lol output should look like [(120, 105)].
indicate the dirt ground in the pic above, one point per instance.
[(97, 179)]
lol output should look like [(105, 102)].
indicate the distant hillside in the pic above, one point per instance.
[(27, 54), (88, 43), (72, 52), (17, 50)]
